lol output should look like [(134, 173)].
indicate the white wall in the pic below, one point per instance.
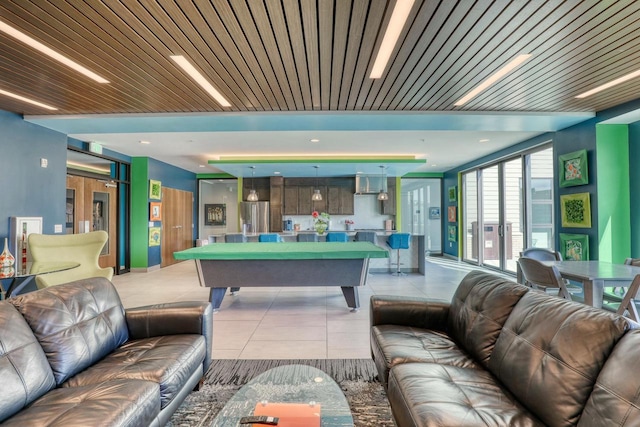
[(223, 191)]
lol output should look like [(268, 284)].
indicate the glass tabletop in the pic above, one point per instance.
[(37, 267), (298, 395)]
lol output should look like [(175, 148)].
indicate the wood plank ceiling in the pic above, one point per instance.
[(290, 55)]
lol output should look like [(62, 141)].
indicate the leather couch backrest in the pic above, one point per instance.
[(26, 374), (77, 323), (550, 352), (615, 397), (479, 308)]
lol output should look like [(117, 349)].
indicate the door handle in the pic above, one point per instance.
[(501, 230)]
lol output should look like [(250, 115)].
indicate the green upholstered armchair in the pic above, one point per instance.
[(82, 248)]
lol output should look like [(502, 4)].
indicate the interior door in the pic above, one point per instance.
[(91, 206), (177, 223)]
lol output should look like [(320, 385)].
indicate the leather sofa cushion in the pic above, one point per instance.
[(428, 394), (550, 352), (393, 345), (77, 323), (615, 399), (26, 374), (114, 403), (167, 360), (479, 308)]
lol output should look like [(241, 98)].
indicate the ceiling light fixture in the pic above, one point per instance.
[(200, 79), (314, 140), (610, 84), (383, 195), (30, 101), (316, 197), (7, 29), (145, 142), (394, 28), (517, 61), (253, 196)]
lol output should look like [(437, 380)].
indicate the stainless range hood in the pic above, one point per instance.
[(370, 184)]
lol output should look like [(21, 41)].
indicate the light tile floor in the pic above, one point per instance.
[(288, 323)]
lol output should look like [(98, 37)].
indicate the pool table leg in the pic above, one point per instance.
[(351, 296), (215, 296)]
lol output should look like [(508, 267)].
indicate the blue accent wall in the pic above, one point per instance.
[(26, 189), (173, 177)]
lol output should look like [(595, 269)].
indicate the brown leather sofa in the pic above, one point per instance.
[(500, 354), (71, 355)]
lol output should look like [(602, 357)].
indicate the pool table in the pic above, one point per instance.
[(221, 266)]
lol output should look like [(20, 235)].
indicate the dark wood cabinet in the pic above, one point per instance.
[(290, 200), (340, 201), (337, 196), (305, 204), (276, 200)]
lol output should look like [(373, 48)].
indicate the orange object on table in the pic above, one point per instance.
[(290, 414)]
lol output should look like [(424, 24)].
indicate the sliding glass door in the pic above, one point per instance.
[(508, 206)]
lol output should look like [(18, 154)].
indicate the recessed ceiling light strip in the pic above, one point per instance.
[(517, 61), (610, 84), (30, 101), (396, 23), (49, 52), (200, 79)]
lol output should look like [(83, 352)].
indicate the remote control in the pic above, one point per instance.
[(260, 419)]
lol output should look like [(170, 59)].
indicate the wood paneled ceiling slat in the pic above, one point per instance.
[(357, 22), (291, 55), (325, 39), (248, 33), (237, 49), (298, 50), (310, 30)]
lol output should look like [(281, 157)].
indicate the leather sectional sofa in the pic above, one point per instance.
[(500, 354), (71, 355)]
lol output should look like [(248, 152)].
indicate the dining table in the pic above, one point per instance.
[(594, 276)]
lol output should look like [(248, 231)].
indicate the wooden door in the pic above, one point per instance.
[(177, 223), (92, 206)]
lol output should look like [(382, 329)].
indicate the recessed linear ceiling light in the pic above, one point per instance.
[(610, 84), (30, 101), (494, 78), (396, 23), (199, 78), (145, 142), (314, 140), (49, 52)]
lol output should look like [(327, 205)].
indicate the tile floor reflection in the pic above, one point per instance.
[(288, 323)]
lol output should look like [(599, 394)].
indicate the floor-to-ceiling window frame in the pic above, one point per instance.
[(422, 211), (508, 206)]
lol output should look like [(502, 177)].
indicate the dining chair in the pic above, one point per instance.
[(396, 242), (366, 236), (337, 236), (543, 277), (541, 254), (307, 237), (269, 238), (84, 248), (616, 294), (628, 306)]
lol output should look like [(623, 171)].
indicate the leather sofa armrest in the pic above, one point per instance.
[(192, 317), (409, 311)]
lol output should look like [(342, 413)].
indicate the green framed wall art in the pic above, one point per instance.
[(575, 210), (574, 247), (573, 168)]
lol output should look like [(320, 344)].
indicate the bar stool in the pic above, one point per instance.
[(366, 236), (337, 236), (307, 237), (398, 241), (269, 237)]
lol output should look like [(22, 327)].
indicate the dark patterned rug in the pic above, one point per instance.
[(356, 377)]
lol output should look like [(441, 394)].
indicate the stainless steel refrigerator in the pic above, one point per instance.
[(254, 217)]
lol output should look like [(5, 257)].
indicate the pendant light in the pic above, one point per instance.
[(316, 197), (253, 196), (382, 195)]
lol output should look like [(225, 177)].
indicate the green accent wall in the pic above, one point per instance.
[(613, 202), (139, 212), (398, 204)]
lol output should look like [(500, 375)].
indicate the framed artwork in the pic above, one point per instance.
[(155, 190), (215, 214), (452, 232), (451, 214), (155, 211), (574, 247), (575, 210), (573, 168), (452, 194), (434, 213), (154, 236)]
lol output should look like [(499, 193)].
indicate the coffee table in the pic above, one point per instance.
[(300, 384)]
